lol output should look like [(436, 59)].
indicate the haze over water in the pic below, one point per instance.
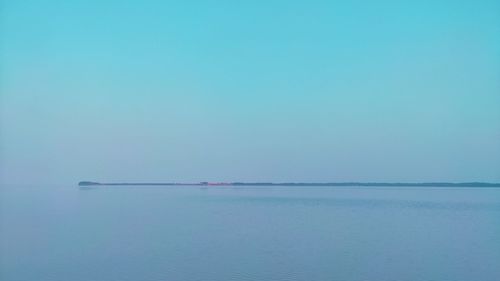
[(261, 91), (244, 233)]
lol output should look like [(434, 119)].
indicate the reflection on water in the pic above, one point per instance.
[(279, 233), (368, 203)]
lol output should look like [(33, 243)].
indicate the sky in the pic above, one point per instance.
[(249, 91)]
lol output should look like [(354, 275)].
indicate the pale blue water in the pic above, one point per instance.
[(226, 234)]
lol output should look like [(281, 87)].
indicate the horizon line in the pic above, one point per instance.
[(354, 183)]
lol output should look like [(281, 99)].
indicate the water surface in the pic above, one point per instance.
[(249, 233)]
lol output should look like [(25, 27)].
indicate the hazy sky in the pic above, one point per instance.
[(249, 90)]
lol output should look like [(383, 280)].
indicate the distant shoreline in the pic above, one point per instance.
[(345, 184)]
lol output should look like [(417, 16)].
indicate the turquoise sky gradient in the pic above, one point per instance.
[(250, 91)]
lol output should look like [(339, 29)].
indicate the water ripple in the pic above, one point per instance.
[(368, 203)]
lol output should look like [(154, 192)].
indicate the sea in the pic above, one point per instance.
[(224, 233)]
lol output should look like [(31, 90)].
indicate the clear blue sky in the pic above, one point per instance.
[(249, 90)]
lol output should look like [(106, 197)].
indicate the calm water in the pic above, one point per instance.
[(226, 234)]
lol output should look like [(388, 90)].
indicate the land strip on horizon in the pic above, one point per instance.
[(379, 184)]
